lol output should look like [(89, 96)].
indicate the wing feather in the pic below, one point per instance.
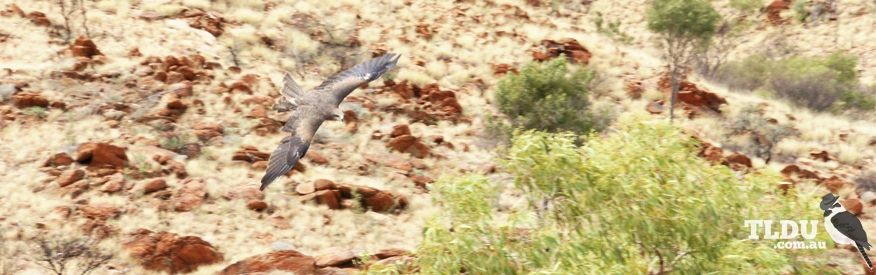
[(342, 84), (849, 225), (301, 125)]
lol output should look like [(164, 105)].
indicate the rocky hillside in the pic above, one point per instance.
[(142, 127)]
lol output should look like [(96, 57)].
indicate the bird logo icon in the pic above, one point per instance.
[(843, 227)]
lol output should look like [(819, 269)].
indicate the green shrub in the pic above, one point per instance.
[(746, 6), (637, 201), (817, 83), (550, 96)]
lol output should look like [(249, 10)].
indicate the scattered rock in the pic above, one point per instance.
[(833, 183), (70, 176), (821, 155), (774, 11), (114, 183), (692, 96), (305, 188), (323, 184), (407, 143), (29, 99), (569, 47), (336, 258), (207, 131), (257, 205), (84, 47), (316, 157), (168, 252), (154, 186), (207, 21), (101, 155), (284, 260), (711, 153), (247, 193), (39, 19), (59, 159), (250, 154), (99, 212), (191, 195), (502, 69), (737, 161), (655, 107)]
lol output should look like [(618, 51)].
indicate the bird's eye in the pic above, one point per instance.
[(836, 205)]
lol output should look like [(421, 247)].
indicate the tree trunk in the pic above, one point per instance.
[(674, 95)]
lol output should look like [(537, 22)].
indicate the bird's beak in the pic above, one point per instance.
[(827, 212)]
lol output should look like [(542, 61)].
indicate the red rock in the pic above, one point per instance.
[(247, 193), (207, 131), (115, 183), (323, 184), (101, 155), (59, 159), (774, 10), (390, 252), (29, 99), (336, 258), (84, 47), (380, 202), (409, 144), (634, 89), (821, 155), (99, 212), (305, 188), (168, 252), (568, 47), (790, 169), (400, 130), (39, 18), (854, 206), (176, 104), (833, 183), (284, 260), (711, 153), (154, 186), (191, 195), (70, 176), (502, 69), (421, 181), (737, 161), (331, 198), (250, 154), (257, 205), (316, 157)]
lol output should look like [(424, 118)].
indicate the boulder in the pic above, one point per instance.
[(154, 185), (59, 159), (29, 99), (70, 176), (84, 47), (169, 252), (284, 260), (101, 155), (191, 195)]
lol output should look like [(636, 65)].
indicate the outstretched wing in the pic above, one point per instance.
[(302, 125), (849, 225), (292, 93), (342, 84)]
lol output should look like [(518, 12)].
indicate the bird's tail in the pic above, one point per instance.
[(864, 254)]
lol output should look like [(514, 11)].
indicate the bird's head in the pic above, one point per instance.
[(837, 207)]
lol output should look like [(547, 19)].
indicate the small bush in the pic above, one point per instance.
[(638, 201), (57, 256), (747, 74), (866, 181), (550, 96), (762, 134), (746, 6)]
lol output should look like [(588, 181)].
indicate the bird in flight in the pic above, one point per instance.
[(310, 109)]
